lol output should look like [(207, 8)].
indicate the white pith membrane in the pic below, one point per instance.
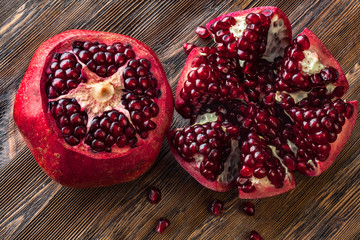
[(311, 63), (265, 181), (231, 165), (98, 94), (277, 38)]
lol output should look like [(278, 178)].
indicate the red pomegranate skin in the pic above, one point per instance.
[(79, 167)]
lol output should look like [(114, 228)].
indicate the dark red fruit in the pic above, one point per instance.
[(216, 207), (261, 106), (154, 195), (93, 108), (249, 208), (161, 225)]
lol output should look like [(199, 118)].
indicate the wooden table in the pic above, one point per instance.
[(32, 206)]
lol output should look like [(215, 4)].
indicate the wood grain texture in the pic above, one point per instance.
[(32, 206)]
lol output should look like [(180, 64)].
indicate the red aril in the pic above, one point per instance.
[(93, 108), (216, 207), (260, 105), (154, 195), (254, 235), (161, 225), (249, 208), (188, 47), (202, 32)]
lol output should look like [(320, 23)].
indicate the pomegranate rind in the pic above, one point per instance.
[(78, 166), (194, 171), (275, 10), (337, 146), (325, 57), (264, 191), (179, 102)]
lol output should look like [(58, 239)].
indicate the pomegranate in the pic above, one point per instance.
[(261, 106), (93, 108)]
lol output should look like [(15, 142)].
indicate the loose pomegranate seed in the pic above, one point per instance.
[(154, 195), (254, 235), (161, 225), (188, 47), (216, 207), (249, 208), (202, 32)]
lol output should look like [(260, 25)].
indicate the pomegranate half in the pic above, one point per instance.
[(93, 108), (261, 106)]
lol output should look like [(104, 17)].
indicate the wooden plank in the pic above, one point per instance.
[(32, 206)]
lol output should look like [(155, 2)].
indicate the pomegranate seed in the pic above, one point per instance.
[(254, 235), (303, 42), (188, 47), (202, 32), (154, 195), (216, 207), (249, 208), (161, 225)]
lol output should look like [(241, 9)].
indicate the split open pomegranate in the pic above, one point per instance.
[(261, 106), (93, 108)]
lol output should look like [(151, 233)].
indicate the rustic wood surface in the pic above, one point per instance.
[(32, 206)]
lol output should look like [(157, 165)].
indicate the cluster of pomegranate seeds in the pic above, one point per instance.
[(161, 225), (252, 43), (254, 235), (70, 119), (154, 195), (316, 129), (216, 207), (258, 79), (188, 47), (64, 75), (207, 143), (213, 78), (138, 78), (249, 208), (141, 110), (257, 160), (293, 76), (102, 59), (112, 127)]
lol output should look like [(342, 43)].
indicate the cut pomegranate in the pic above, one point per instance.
[(93, 108), (161, 225), (260, 106), (216, 207), (249, 208), (154, 195)]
